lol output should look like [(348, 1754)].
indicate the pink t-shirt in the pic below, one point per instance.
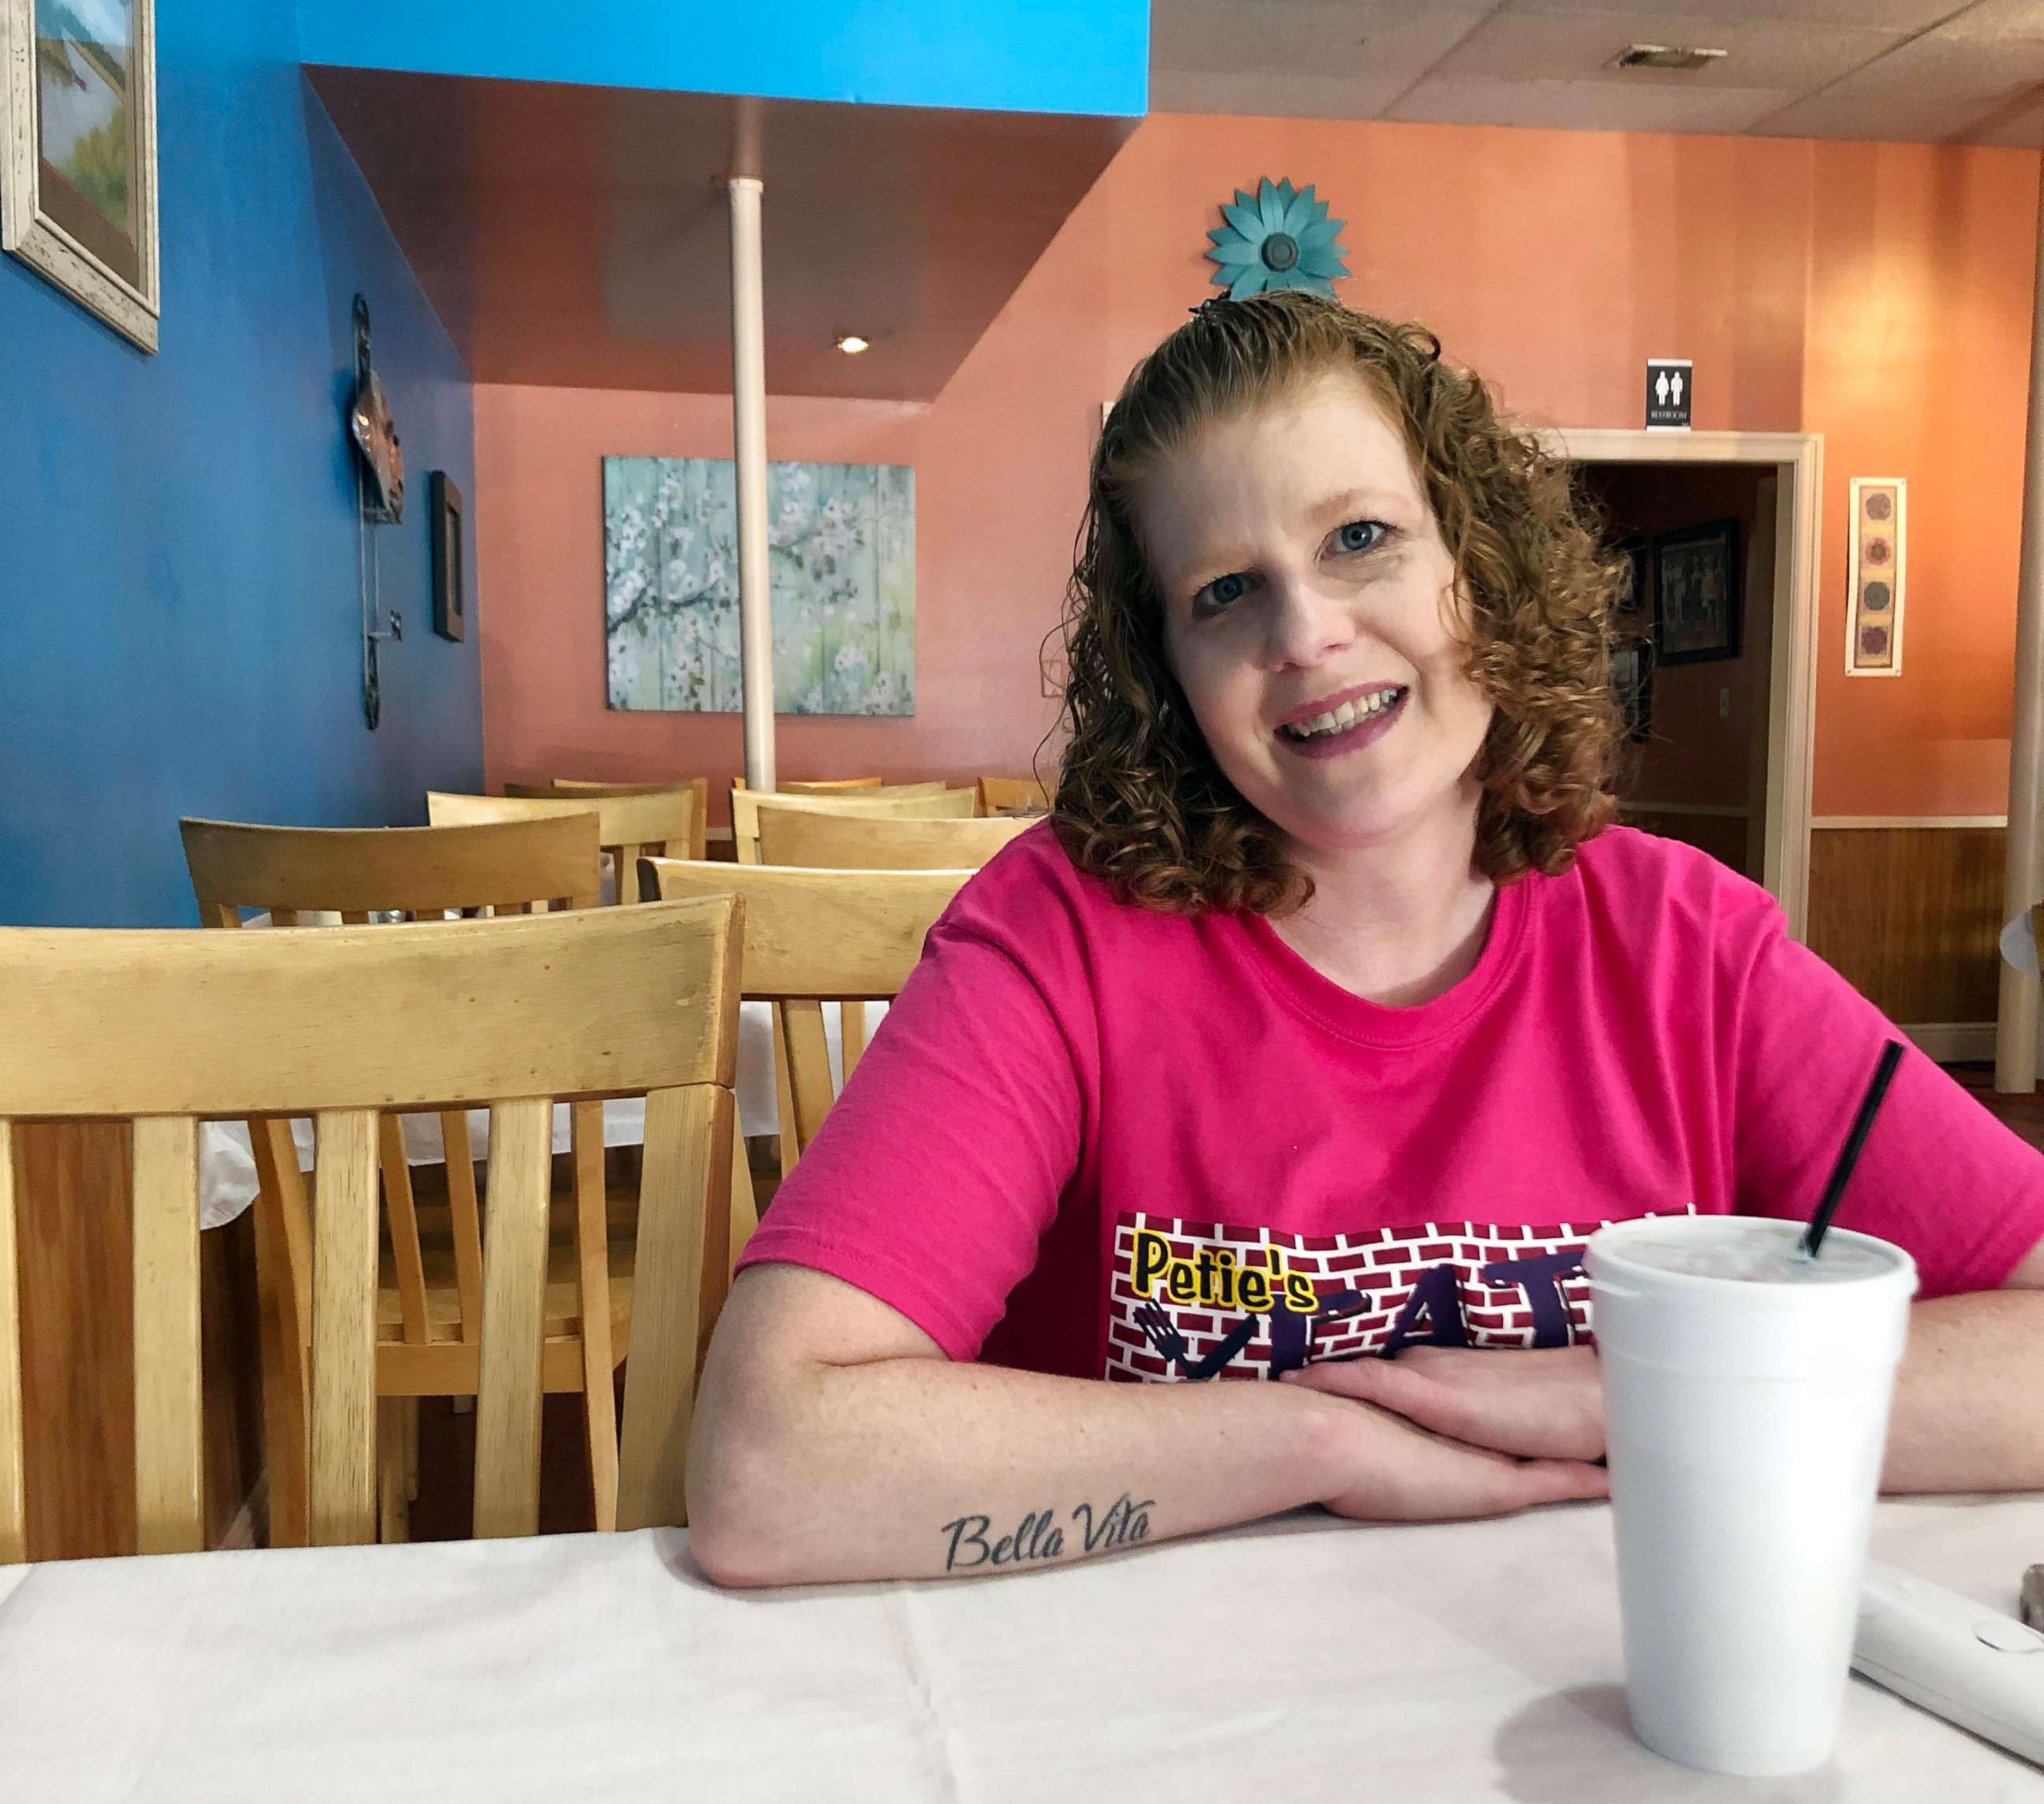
[(1095, 1140)]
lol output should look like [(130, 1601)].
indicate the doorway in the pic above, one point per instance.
[(1723, 758)]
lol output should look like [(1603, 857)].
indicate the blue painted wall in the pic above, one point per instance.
[(177, 563), (1016, 55)]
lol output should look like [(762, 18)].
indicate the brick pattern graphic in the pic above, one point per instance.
[(1362, 1283)]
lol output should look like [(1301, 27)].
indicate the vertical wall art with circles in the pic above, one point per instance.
[(1873, 605)]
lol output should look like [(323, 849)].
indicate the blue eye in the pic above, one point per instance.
[(1359, 534), (1223, 591)]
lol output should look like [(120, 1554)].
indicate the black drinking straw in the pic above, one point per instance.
[(1813, 1236)]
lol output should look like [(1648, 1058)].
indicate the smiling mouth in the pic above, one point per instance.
[(1345, 719)]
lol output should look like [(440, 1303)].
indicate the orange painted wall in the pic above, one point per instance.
[(1880, 294), (1922, 278)]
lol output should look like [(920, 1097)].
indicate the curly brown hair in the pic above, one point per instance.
[(1140, 801)]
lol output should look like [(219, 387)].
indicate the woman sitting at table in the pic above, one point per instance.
[(1323, 1022)]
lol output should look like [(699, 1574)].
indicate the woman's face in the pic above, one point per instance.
[(1310, 617)]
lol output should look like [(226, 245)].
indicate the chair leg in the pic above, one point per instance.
[(411, 1449), (392, 1519)]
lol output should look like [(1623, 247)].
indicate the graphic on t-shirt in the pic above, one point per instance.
[(1192, 1300)]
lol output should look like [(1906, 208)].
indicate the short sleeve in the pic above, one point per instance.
[(937, 1171), (1939, 1175)]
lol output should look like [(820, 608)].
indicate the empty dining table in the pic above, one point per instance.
[(1302, 1658)]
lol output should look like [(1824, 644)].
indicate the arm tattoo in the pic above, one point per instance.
[(1041, 1536)]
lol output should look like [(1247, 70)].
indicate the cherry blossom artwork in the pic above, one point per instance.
[(842, 556)]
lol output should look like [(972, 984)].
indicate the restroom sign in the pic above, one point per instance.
[(1669, 382)]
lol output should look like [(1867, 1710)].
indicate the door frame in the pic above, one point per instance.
[(1797, 460)]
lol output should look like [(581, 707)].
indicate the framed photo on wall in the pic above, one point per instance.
[(1697, 593), (450, 584), (77, 152)]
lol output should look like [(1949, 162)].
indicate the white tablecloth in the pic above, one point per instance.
[(227, 1168), (1303, 1659)]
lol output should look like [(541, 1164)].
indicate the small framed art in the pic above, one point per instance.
[(1697, 593), (450, 599), (1873, 605)]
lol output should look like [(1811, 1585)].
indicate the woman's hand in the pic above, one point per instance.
[(1540, 1404), (1395, 1471)]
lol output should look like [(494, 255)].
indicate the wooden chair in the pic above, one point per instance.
[(825, 786), (1007, 795), (431, 1312), (746, 806), (835, 842), (813, 936), (696, 786), (629, 826), (873, 792), (167, 1029), (952, 804)]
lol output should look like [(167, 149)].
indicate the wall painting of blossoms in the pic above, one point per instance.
[(842, 563)]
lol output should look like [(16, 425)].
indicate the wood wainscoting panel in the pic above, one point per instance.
[(1910, 915)]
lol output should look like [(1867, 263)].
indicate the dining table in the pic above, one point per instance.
[(1300, 1658)]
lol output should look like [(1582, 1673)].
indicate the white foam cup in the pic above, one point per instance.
[(1745, 1407)]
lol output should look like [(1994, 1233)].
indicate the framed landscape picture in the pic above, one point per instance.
[(77, 152), (1697, 593), (842, 555)]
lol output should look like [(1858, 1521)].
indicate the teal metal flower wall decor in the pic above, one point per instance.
[(1280, 237)]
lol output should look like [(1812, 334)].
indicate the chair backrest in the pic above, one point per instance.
[(406, 870), (836, 842), (1005, 795), (410, 872), (825, 786), (167, 1028), (746, 805), (629, 826), (696, 786), (812, 937)]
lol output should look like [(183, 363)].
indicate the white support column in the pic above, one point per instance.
[(748, 407), (2016, 1021)]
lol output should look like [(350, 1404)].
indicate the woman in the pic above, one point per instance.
[(1326, 1018)]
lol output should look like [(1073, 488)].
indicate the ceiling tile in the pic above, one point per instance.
[(2017, 127), (1900, 118), (1581, 46), (1940, 67), (1590, 106), (1998, 18), (1266, 94), (1874, 15), (1325, 37)]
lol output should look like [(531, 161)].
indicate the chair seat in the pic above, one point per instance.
[(563, 1309)]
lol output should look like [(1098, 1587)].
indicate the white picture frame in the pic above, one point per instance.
[(104, 257)]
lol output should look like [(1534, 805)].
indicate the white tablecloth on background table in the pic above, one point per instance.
[(227, 1168), (1303, 1659)]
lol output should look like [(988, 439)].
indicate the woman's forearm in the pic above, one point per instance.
[(1968, 1412), (918, 1468)]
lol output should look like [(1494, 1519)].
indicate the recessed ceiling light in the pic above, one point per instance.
[(851, 344), (1666, 56)]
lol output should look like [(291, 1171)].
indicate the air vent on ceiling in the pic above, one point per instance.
[(1665, 56)]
